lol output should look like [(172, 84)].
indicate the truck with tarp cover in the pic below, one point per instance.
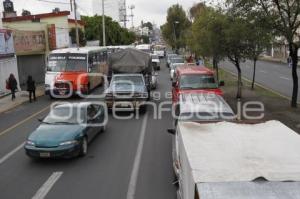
[(235, 160), (130, 73)]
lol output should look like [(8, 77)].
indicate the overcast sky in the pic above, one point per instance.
[(146, 10)]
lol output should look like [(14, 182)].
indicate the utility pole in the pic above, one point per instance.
[(103, 25), (76, 23)]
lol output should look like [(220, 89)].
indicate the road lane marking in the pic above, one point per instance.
[(137, 161), (7, 156), (44, 190), (23, 121), (285, 78), (262, 71)]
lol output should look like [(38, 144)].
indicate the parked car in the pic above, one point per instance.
[(155, 62), (127, 92), (226, 160), (66, 131), (195, 79)]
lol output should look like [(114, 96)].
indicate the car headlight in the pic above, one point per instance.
[(47, 86), (71, 142), (30, 143)]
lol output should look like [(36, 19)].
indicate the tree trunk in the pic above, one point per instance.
[(294, 55), (216, 68), (254, 73), (239, 92)]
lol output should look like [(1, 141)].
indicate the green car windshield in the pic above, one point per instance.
[(65, 115)]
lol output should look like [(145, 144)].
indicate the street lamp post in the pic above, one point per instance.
[(103, 24), (175, 37)]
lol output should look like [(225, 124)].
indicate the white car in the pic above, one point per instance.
[(173, 69), (154, 80), (155, 62)]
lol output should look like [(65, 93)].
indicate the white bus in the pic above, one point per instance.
[(75, 70)]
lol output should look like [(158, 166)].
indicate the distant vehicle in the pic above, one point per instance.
[(66, 131), (113, 49), (71, 71), (155, 62), (195, 79), (127, 91), (173, 68), (154, 80), (159, 50), (145, 48), (224, 160), (169, 56)]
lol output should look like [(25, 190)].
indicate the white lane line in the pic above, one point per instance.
[(137, 161), (285, 78), (7, 156), (262, 71), (44, 190)]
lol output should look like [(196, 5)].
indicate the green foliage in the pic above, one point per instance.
[(115, 34), (174, 31), (72, 34), (148, 24)]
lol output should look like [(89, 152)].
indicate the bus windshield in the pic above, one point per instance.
[(67, 62)]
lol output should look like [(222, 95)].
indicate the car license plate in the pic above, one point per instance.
[(62, 92), (45, 155)]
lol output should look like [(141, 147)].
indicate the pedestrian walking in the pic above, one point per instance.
[(31, 88), (290, 61), (12, 86)]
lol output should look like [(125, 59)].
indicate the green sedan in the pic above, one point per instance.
[(67, 130)]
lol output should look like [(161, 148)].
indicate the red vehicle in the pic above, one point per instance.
[(195, 79)]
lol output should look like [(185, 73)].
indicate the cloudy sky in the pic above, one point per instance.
[(146, 10)]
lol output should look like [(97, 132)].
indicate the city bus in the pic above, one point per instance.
[(75, 71)]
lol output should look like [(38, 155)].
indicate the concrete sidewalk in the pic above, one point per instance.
[(7, 104)]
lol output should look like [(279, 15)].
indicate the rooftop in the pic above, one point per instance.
[(37, 16), (194, 70)]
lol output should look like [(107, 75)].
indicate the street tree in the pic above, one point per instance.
[(115, 34), (176, 26), (237, 45), (285, 18), (208, 35), (82, 40)]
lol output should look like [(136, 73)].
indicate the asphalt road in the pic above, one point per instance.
[(131, 160), (276, 76)]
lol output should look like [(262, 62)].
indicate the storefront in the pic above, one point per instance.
[(8, 62)]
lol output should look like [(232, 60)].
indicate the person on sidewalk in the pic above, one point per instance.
[(290, 61), (31, 88), (12, 84)]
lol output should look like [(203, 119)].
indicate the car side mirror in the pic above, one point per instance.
[(172, 131), (222, 83), (41, 119)]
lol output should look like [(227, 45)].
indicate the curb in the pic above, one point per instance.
[(262, 86), (17, 104)]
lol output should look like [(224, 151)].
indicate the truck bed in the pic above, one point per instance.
[(249, 190)]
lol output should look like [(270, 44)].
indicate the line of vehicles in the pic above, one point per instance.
[(130, 75), (216, 156)]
